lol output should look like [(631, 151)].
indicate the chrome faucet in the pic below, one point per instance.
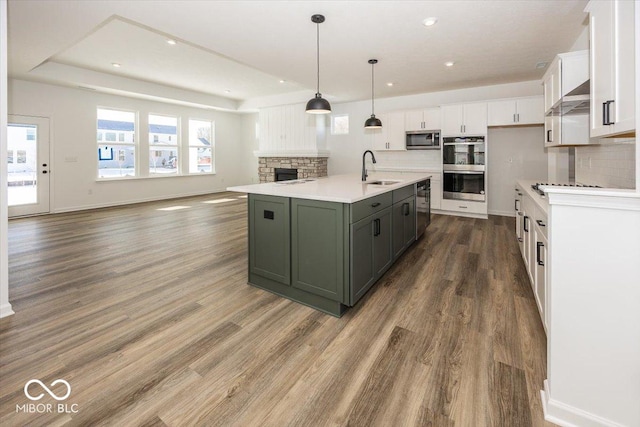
[(364, 170)]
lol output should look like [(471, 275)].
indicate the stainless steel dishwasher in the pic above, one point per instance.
[(423, 207)]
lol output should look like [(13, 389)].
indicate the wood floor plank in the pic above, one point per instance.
[(147, 314)]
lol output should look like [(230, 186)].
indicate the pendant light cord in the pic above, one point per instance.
[(318, 56), (372, 98)]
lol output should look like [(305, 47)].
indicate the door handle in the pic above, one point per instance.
[(376, 227), (549, 139), (525, 224), (606, 113), (538, 257), (44, 172)]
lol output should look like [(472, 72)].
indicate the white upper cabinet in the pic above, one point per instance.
[(520, 111), (392, 135), (612, 66), (287, 128), (464, 119), (427, 119)]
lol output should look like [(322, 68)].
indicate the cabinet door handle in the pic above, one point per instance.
[(405, 209), (540, 223), (518, 117), (375, 205), (538, 257), (515, 205), (549, 138), (519, 239), (376, 227), (514, 118), (606, 113), (526, 228)]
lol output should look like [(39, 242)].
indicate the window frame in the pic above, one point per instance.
[(155, 145), (212, 137), (333, 127), (116, 146)]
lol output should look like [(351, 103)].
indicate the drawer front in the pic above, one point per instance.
[(464, 206), (369, 206), (403, 193)]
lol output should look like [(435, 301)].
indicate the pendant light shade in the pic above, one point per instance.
[(318, 105), (372, 122)]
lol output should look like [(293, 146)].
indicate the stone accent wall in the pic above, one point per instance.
[(308, 167)]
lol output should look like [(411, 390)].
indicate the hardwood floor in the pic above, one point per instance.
[(147, 314)]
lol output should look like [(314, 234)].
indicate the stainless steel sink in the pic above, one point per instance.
[(383, 182)]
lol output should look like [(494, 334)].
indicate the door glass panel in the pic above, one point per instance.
[(22, 164)]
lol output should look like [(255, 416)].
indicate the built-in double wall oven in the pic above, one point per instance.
[(463, 167)]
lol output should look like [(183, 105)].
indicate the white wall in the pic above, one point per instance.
[(72, 114), (512, 154), (250, 138), (5, 307)]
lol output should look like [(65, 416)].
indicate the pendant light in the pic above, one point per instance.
[(372, 122), (318, 105)]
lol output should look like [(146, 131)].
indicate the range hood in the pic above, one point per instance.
[(574, 102)]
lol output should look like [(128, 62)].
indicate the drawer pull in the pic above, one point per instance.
[(463, 207), (375, 205)]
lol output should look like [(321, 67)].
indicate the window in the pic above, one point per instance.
[(201, 146), (163, 145), (116, 159), (31, 134), (10, 156), (22, 156), (340, 124)]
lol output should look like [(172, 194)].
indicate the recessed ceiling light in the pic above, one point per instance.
[(282, 81), (449, 63), (227, 91), (171, 42), (430, 21), (115, 64), (541, 65), (390, 84)]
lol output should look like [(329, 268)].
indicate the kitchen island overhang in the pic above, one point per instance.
[(325, 243)]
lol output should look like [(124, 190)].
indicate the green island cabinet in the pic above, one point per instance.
[(327, 255)]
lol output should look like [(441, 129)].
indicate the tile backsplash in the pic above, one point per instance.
[(414, 159), (608, 165)]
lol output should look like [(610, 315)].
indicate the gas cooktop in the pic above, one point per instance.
[(536, 186)]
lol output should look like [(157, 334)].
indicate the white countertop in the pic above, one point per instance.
[(551, 191), (336, 188), (540, 201)]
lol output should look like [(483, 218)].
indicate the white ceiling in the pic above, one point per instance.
[(247, 47)]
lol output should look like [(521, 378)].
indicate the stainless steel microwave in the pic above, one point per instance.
[(423, 140)]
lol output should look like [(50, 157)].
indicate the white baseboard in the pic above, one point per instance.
[(568, 416), (6, 310), (132, 202), (465, 214), (503, 213)]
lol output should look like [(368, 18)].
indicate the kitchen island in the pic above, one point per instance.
[(325, 242)]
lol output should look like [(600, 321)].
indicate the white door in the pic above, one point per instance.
[(28, 165)]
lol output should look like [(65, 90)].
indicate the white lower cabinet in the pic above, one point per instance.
[(531, 232), (540, 266), (464, 206)]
